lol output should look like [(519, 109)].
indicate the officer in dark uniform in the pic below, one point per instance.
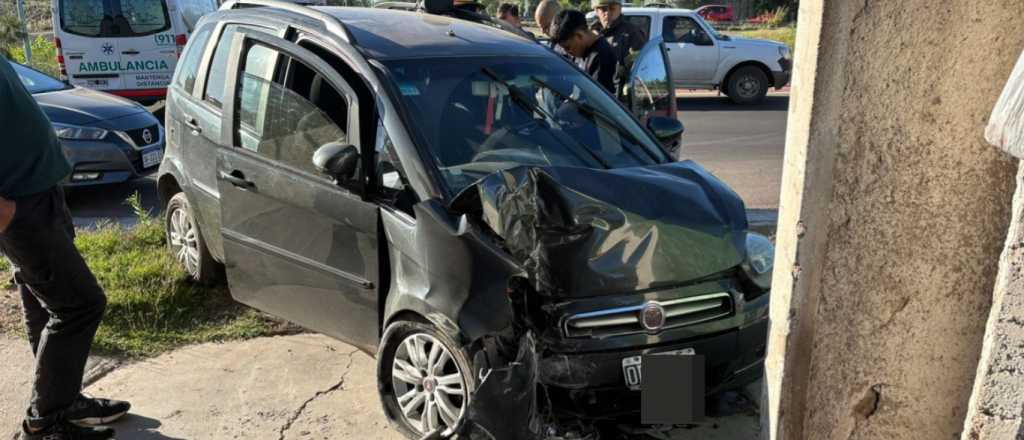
[(621, 35)]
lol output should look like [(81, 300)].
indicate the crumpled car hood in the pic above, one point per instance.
[(581, 232)]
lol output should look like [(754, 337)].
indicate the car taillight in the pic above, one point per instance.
[(180, 40), (60, 59)]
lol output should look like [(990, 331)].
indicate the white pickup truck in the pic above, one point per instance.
[(701, 58)]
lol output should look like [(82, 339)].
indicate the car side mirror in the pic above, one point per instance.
[(337, 160), (666, 129)]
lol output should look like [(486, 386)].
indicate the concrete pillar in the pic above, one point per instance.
[(893, 213), (996, 409)]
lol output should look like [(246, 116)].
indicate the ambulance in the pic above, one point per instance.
[(125, 47)]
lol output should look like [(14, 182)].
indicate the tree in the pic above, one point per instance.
[(12, 33)]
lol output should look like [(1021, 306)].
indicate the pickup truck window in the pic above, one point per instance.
[(642, 22), (679, 29)]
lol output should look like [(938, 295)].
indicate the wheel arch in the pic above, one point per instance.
[(724, 84)]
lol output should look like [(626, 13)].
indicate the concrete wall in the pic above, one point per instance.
[(893, 215)]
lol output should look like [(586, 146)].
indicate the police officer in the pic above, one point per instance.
[(621, 35)]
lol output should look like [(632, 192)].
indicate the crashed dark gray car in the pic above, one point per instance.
[(460, 202)]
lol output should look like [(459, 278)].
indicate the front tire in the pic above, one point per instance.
[(186, 243), (747, 85), (424, 378)]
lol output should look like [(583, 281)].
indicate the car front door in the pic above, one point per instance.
[(692, 52), (297, 244)]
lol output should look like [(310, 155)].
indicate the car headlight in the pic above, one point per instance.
[(785, 53), (75, 132), (760, 260)]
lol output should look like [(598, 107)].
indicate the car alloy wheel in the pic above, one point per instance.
[(183, 237), (428, 384)]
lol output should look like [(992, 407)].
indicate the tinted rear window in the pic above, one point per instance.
[(114, 18)]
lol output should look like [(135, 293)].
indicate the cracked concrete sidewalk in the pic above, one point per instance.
[(288, 387)]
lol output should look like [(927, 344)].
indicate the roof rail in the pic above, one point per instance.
[(332, 23)]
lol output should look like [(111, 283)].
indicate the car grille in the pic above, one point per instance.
[(139, 141), (627, 320)]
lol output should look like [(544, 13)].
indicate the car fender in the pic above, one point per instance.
[(731, 60), (444, 269)]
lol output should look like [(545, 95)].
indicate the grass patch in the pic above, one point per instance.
[(151, 306), (785, 34)]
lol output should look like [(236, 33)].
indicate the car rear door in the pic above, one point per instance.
[(692, 52), (147, 43), (297, 244), (88, 42)]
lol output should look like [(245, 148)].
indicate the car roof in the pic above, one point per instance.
[(385, 34)]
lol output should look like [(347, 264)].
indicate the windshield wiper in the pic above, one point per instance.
[(593, 112), (520, 98)]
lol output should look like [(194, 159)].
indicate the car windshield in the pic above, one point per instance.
[(481, 115), (36, 81)]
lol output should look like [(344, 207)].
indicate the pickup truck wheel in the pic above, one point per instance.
[(747, 85), (424, 379), (186, 242)]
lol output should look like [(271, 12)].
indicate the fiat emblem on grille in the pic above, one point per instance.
[(147, 136), (652, 316)]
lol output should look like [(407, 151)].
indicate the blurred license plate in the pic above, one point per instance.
[(152, 158), (631, 367)]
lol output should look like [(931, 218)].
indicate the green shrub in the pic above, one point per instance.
[(44, 55)]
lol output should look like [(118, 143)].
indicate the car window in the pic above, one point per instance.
[(214, 93), (189, 64), (114, 18), (143, 17), (641, 22), (679, 29), (285, 109)]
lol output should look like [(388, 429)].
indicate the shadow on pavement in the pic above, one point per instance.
[(136, 427), (91, 204), (715, 103)]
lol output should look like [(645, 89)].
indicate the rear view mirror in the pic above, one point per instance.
[(337, 160)]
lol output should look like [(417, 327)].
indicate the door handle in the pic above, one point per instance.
[(130, 52), (237, 178), (193, 124)]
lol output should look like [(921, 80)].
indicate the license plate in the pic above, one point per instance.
[(152, 158), (631, 367)]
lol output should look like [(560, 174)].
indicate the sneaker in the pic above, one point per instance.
[(93, 411), (66, 431)]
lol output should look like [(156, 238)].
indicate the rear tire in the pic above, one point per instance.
[(186, 242), (439, 378), (747, 85)]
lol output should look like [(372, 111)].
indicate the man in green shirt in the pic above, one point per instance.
[(63, 303)]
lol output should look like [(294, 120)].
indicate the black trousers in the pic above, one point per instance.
[(63, 303)]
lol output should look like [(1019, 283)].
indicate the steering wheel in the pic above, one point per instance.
[(508, 137)]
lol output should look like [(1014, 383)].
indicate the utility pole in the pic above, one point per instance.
[(25, 38)]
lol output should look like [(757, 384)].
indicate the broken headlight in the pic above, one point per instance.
[(760, 260)]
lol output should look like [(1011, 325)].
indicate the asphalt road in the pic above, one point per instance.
[(742, 145)]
